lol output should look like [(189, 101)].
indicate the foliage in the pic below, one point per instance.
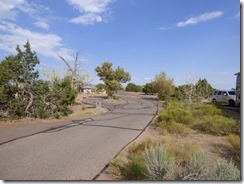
[(131, 87), (23, 94), (195, 169), (138, 148), (234, 140), (148, 89), (178, 115), (100, 87), (134, 169), (183, 153), (217, 125), (223, 171), (207, 110), (160, 164), (201, 90), (163, 86), (112, 78)]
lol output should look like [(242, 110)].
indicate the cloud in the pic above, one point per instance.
[(11, 9), (8, 8), (42, 25), (48, 45), (87, 19), (92, 11), (163, 28), (201, 18), (147, 78)]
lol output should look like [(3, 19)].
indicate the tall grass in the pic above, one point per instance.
[(217, 125)]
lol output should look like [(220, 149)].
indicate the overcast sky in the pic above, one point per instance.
[(187, 39)]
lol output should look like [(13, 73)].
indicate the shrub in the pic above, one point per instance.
[(178, 115), (159, 162), (195, 168), (210, 109), (134, 169), (138, 148), (131, 87), (182, 154), (223, 171), (217, 125), (234, 140)]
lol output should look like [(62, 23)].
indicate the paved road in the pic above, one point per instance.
[(78, 150)]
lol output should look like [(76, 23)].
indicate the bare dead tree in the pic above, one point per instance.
[(76, 77)]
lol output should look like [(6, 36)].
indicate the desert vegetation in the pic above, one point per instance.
[(157, 160)]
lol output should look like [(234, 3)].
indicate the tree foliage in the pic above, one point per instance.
[(163, 86), (112, 78), (131, 87), (201, 90), (148, 89), (24, 94), (100, 87)]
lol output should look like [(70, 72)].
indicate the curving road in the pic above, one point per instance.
[(78, 150)]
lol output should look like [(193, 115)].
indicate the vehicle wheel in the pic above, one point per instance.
[(232, 103), (214, 101)]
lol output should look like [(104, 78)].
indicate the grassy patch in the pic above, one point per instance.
[(217, 125), (234, 140), (134, 169)]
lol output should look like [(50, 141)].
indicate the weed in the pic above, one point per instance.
[(195, 168), (138, 148), (83, 108), (234, 140), (134, 169), (223, 171), (217, 125), (183, 154)]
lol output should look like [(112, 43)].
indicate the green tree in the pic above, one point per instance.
[(20, 75), (23, 94), (112, 78), (100, 86), (131, 87), (148, 88), (203, 89), (163, 86)]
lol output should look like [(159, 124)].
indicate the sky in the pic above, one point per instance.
[(186, 39)]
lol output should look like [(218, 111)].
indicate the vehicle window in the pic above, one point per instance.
[(232, 92), (215, 93), (224, 93), (219, 92)]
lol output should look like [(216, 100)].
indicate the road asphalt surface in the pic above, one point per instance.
[(76, 150)]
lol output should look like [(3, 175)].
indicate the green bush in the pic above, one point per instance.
[(207, 110), (217, 125), (131, 87), (178, 115), (134, 169), (223, 171), (159, 162)]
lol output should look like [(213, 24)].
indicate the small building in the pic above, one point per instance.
[(87, 89)]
